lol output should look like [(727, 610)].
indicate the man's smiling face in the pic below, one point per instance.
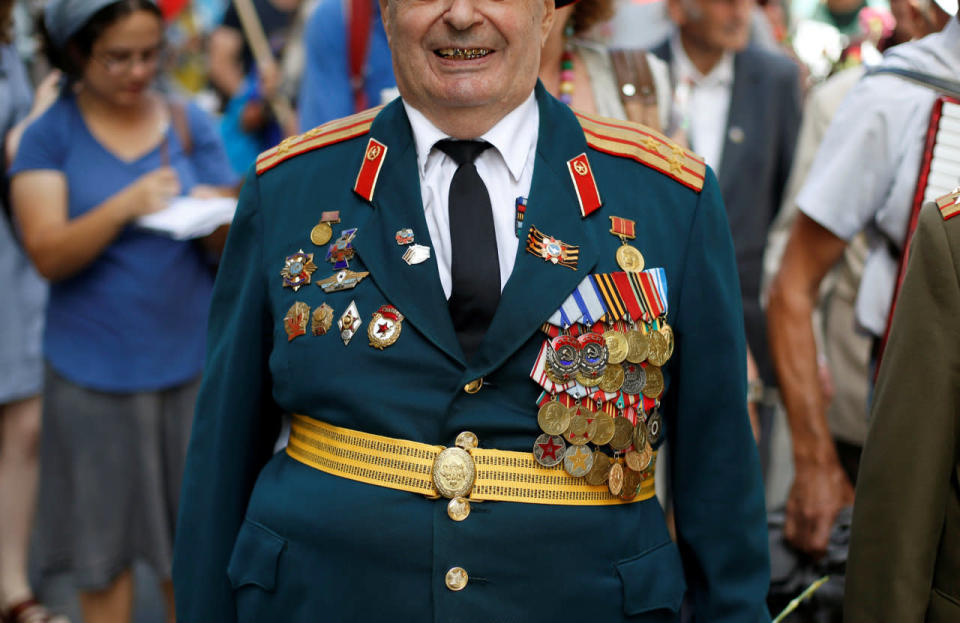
[(466, 54)]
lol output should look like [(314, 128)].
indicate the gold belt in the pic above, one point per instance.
[(477, 474)]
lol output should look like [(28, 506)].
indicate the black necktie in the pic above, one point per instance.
[(475, 266)]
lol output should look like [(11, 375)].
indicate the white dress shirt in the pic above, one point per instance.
[(703, 101), (506, 169)]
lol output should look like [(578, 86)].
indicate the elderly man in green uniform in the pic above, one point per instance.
[(485, 313), (904, 560)]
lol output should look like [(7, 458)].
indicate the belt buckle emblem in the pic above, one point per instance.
[(454, 473)]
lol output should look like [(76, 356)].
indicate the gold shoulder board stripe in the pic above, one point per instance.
[(949, 204), (645, 145), (320, 136)]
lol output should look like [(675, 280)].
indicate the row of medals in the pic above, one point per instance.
[(611, 362)]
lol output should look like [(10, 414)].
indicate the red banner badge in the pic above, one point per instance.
[(586, 186), (373, 159)]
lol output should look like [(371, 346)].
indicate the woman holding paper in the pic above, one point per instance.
[(125, 324)]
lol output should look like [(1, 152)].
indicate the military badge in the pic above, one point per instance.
[(369, 173), (349, 323), (343, 280), (416, 254), (322, 319), (404, 236), (385, 327), (297, 269), (552, 250), (295, 320), (323, 231), (628, 258), (341, 251), (588, 195), (548, 450), (521, 212)]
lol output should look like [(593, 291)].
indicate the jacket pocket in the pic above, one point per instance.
[(255, 558), (653, 580)]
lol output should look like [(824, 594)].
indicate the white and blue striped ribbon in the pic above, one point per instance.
[(588, 300), (660, 278)]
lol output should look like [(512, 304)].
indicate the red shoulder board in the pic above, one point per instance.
[(373, 157), (645, 145), (586, 186), (320, 136), (949, 204)]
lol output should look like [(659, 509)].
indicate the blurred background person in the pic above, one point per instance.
[(580, 71), (247, 53), (21, 364), (862, 179), (904, 552), (739, 107), (125, 323), (348, 66)]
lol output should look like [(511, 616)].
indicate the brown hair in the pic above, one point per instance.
[(6, 21), (589, 13)]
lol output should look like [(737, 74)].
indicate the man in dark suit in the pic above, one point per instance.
[(408, 370), (740, 109)]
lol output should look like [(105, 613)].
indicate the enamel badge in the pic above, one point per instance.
[(341, 251), (584, 183), (416, 254), (342, 280), (349, 323), (552, 250), (297, 269), (384, 327), (370, 169), (295, 320), (405, 236), (322, 320)]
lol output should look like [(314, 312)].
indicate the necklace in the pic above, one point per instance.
[(566, 66)]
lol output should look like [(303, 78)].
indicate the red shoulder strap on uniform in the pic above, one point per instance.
[(360, 18)]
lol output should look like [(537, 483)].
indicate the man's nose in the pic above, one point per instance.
[(462, 14)]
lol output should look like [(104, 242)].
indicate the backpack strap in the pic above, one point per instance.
[(638, 92)]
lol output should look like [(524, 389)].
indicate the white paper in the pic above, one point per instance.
[(190, 217)]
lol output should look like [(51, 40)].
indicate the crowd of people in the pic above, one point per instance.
[(771, 159)]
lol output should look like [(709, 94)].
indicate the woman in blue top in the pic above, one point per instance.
[(125, 323)]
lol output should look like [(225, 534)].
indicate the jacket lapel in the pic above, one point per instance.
[(397, 204), (536, 288), (741, 121)]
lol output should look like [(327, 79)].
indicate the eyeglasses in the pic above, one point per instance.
[(122, 62)]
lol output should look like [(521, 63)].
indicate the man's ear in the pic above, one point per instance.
[(385, 17), (550, 14)]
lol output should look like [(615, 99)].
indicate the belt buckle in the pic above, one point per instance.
[(454, 470)]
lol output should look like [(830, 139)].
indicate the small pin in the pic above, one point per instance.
[(521, 211), (385, 327), (551, 249), (341, 251), (349, 323), (297, 269), (342, 280), (322, 320), (736, 134), (416, 254), (295, 320), (404, 236)]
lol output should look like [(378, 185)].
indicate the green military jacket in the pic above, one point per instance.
[(262, 537), (904, 562)]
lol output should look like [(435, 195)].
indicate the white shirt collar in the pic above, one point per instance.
[(686, 71), (513, 136)]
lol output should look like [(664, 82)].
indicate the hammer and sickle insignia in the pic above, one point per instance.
[(580, 168), (374, 152)]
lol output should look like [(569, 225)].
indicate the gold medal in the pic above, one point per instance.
[(612, 379), (639, 435), (644, 457), (581, 430), (622, 433), (667, 332), (322, 319), (615, 479), (601, 469), (605, 429), (638, 344), (658, 348), (617, 346), (654, 386), (554, 418), (630, 259), (321, 234), (586, 381), (631, 484), (633, 460)]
